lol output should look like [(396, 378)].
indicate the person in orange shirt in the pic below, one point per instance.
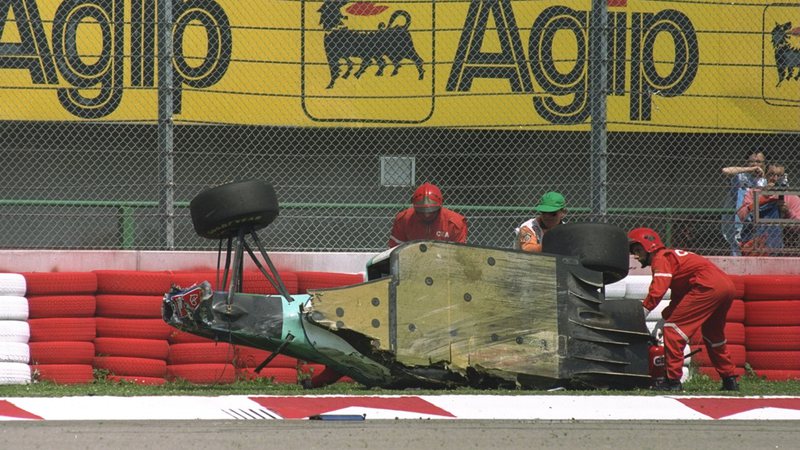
[(428, 219), (552, 209)]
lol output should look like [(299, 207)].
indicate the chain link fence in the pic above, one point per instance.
[(490, 100)]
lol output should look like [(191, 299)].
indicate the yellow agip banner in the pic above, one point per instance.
[(672, 66)]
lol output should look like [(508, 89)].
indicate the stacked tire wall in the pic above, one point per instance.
[(65, 326), (762, 329), (71, 327), (14, 330), (772, 324)]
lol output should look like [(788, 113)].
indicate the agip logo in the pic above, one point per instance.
[(368, 62), (781, 55)]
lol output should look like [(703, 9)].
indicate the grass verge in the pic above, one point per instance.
[(750, 385)]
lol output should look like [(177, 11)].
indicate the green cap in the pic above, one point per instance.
[(551, 202)]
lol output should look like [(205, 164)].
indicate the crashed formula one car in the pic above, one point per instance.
[(431, 314)]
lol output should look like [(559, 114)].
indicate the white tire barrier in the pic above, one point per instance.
[(12, 284), (616, 290), (637, 287), (14, 352), (13, 307), (14, 331), (15, 373)]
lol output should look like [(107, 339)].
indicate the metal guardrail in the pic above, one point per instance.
[(126, 211)]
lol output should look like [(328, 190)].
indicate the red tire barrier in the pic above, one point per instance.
[(188, 279), (278, 375), (128, 366), (778, 375), (202, 373), (771, 287), (772, 313), (72, 305), (322, 280), (203, 352), (182, 337), (774, 360), (734, 335), (63, 373), (712, 372), (54, 283), (133, 328), (131, 282), (129, 306), (738, 356), (137, 348), (773, 338), (150, 381), (254, 282), (739, 285), (253, 357), (737, 313), (62, 329), (61, 352)]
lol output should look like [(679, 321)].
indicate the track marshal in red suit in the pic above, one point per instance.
[(702, 294), (427, 218)]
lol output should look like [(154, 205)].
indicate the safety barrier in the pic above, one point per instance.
[(69, 327)]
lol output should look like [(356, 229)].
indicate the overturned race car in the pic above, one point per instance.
[(431, 314)]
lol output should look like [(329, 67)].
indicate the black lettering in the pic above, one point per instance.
[(210, 15), (103, 79), (572, 86), (645, 79), (143, 42), (617, 45), (470, 62), (32, 52)]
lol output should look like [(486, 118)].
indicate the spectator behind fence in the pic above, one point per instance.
[(767, 239), (742, 178), (551, 210), (428, 219)]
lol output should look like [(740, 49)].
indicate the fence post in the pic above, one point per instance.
[(165, 124), (598, 84)]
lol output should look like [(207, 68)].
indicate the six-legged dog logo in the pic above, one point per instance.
[(389, 43), (787, 55)]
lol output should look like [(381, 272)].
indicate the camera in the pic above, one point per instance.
[(781, 185)]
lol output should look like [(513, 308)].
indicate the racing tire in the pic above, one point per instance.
[(599, 246), (221, 211)]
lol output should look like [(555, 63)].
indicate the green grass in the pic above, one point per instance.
[(699, 385)]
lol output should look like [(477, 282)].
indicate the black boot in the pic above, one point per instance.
[(729, 384), (667, 385)]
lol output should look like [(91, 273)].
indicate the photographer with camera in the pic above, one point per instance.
[(768, 239)]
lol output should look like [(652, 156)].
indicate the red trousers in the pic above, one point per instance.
[(703, 308)]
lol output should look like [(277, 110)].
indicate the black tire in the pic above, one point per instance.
[(220, 212), (599, 246)]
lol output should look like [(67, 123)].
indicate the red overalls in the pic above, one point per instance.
[(447, 226), (701, 297)]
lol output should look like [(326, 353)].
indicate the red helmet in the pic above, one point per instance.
[(647, 237), (427, 198)]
